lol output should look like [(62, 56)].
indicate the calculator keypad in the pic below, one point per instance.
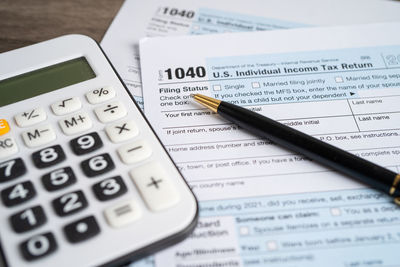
[(82, 229), (134, 152), (39, 136), (66, 106), (48, 157), (28, 219), (111, 112), (151, 181), (30, 117), (70, 203), (4, 127), (76, 123), (17, 194), (122, 131), (11, 169), (100, 95), (155, 187), (86, 143), (97, 165), (8, 147)]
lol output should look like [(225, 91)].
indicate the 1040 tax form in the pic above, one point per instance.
[(262, 205), (138, 19)]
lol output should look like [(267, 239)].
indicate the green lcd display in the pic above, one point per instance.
[(44, 80)]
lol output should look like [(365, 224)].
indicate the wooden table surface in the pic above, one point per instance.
[(24, 22)]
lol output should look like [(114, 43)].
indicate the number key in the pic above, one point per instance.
[(28, 219), (38, 246), (18, 193), (48, 157), (58, 179), (70, 203), (97, 165), (86, 143), (109, 188), (11, 169)]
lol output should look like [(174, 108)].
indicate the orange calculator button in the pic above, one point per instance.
[(4, 127)]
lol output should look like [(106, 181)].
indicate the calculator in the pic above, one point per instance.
[(84, 180)]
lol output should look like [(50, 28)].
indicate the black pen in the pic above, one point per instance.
[(365, 171)]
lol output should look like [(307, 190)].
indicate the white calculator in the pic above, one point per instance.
[(84, 180)]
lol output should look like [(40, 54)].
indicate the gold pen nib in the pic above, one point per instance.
[(207, 101)]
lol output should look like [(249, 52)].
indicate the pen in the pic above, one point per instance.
[(365, 171)]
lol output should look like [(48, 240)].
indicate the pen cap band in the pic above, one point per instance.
[(208, 102), (396, 182)]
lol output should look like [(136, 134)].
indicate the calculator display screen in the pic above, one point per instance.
[(44, 80)]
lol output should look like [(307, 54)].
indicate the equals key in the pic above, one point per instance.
[(123, 213)]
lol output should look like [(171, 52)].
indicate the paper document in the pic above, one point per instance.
[(138, 19), (261, 205)]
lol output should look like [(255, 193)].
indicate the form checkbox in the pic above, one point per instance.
[(217, 87), (336, 212), (244, 230), (339, 79), (272, 245), (255, 84)]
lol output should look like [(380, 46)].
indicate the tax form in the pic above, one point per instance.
[(138, 19), (261, 205)]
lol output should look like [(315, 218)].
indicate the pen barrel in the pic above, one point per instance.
[(317, 150)]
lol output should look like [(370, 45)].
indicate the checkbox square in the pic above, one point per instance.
[(217, 87), (244, 230), (336, 212), (339, 79), (255, 84), (272, 245)]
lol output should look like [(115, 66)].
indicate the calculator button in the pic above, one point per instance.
[(30, 117), (66, 106), (82, 229), (76, 123), (70, 203), (4, 127), (111, 112), (155, 186), (122, 131), (59, 179), (48, 157), (134, 152), (100, 95), (38, 246), (8, 147), (123, 213), (39, 136), (109, 188), (28, 219), (97, 165), (86, 143), (18, 194), (11, 169)]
